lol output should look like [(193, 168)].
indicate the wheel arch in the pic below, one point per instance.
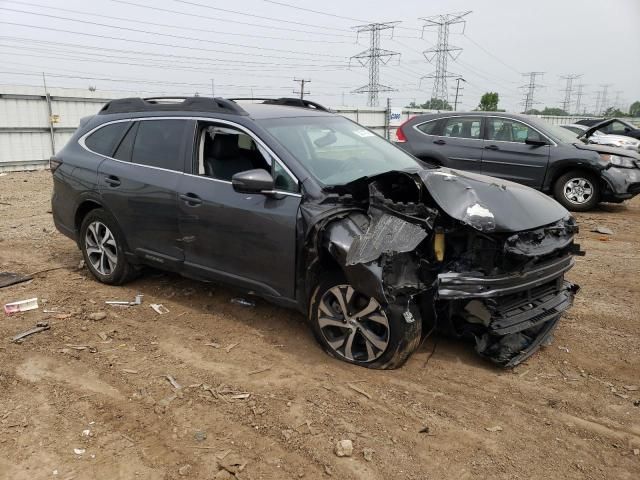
[(559, 169)]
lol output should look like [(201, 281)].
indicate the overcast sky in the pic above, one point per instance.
[(257, 47)]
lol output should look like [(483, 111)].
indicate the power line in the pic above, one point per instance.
[(373, 57), (302, 92), (170, 35), (530, 89), (167, 25), (568, 90), (442, 51), (316, 11), (490, 54)]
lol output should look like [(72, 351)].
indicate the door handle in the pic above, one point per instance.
[(439, 142), (112, 181), (191, 199), (492, 147)]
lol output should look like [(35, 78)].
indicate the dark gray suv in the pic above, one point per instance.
[(312, 211), (526, 150)]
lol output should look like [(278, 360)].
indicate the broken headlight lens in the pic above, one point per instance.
[(618, 161)]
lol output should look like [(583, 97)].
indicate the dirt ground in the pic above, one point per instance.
[(89, 399)]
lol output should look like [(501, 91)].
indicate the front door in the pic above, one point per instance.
[(506, 155), (139, 186), (244, 239)]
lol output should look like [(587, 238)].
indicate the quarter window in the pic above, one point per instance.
[(105, 139), (428, 127), (125, 149), (507, 130), (462, 127), (158, 143)]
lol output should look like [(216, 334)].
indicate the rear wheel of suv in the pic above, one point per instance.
[(577, 190), (102, 245), (355, 328)]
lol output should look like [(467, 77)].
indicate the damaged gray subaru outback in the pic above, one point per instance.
[(309, 210)]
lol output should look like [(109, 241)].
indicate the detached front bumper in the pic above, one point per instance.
[(510, 315)]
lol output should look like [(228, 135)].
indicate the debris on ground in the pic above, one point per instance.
[(212, 344), (40, 327), (359, 390), (136, 301), (184, 470), (497, 428), (159, 308), (21, 306), (344, 448), (96, 316), (10, 278), (367, 453), (231, 347), (200, 436), (79, 451), (243, 302), (632, 388), (233, 463), (173, 382), (603, 230)]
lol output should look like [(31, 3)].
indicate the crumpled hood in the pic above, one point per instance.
[(490, 204), (623, 152)]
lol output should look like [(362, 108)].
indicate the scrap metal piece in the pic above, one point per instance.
[(40, 327), (9, 278), (137, 301), (21, 306), (173, 382), (159, 308), (386, 234)]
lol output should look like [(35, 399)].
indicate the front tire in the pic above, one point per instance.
[(577, 190), (357, 329), (103, 248)]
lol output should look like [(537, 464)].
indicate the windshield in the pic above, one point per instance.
[(336, 150), (559, 134)]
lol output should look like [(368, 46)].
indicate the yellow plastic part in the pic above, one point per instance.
[(438, 244)]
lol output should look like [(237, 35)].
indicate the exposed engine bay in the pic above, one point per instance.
[(469, 256)]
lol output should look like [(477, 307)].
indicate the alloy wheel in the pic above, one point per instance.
[(101, 248), (355, 326), (578, 190)]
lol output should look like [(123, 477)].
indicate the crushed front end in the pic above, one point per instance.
[(468, 255)]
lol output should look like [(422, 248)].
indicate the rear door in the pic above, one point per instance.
[(139, 186), (244, 239), (461, 142), (506, 155)]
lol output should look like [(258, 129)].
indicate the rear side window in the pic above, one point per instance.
[(105, 139), (125, 149), (429, 127), (462, 127), (158, 143)]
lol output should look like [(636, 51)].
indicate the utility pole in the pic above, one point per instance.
[(566, 103), (302, 82), (47, 98), (441, 53), (579, 95), (455, 103), (373, 57), (213, 88), (530, 89)]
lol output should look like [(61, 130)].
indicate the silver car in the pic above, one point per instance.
[(601, 138)]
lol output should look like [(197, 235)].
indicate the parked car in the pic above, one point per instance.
[(526, 150), (312, 211), (614, 127), (596, 136)]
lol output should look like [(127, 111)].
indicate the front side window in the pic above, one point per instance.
[(616, 128), (224, 151), (462, 127), (105, 139), (336, 150), (159, 143), (507, 130)]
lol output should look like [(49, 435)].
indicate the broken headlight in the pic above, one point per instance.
[(618, 161)]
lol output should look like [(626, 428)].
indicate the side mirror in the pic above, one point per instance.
[(252, 181), (536, 142)]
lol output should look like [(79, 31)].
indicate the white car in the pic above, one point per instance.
[(601, 138)]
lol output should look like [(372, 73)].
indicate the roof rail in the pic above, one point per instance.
[(287, 101), (155, 104)]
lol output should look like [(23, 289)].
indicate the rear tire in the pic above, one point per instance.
[(103, 248), (369, 334), (577, 190)]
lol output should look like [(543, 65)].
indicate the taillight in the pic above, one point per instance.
[(400, 136), (54, 163)]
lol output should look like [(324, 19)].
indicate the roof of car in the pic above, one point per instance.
[(262, 111), (475, 114)]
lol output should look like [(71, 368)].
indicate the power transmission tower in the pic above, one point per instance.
[(373, 57), (579, 95), (617, 102), (455, 103), (302, 83), (441, 53), (597, 109), (568, 90), (603, 98), (530, 89)]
